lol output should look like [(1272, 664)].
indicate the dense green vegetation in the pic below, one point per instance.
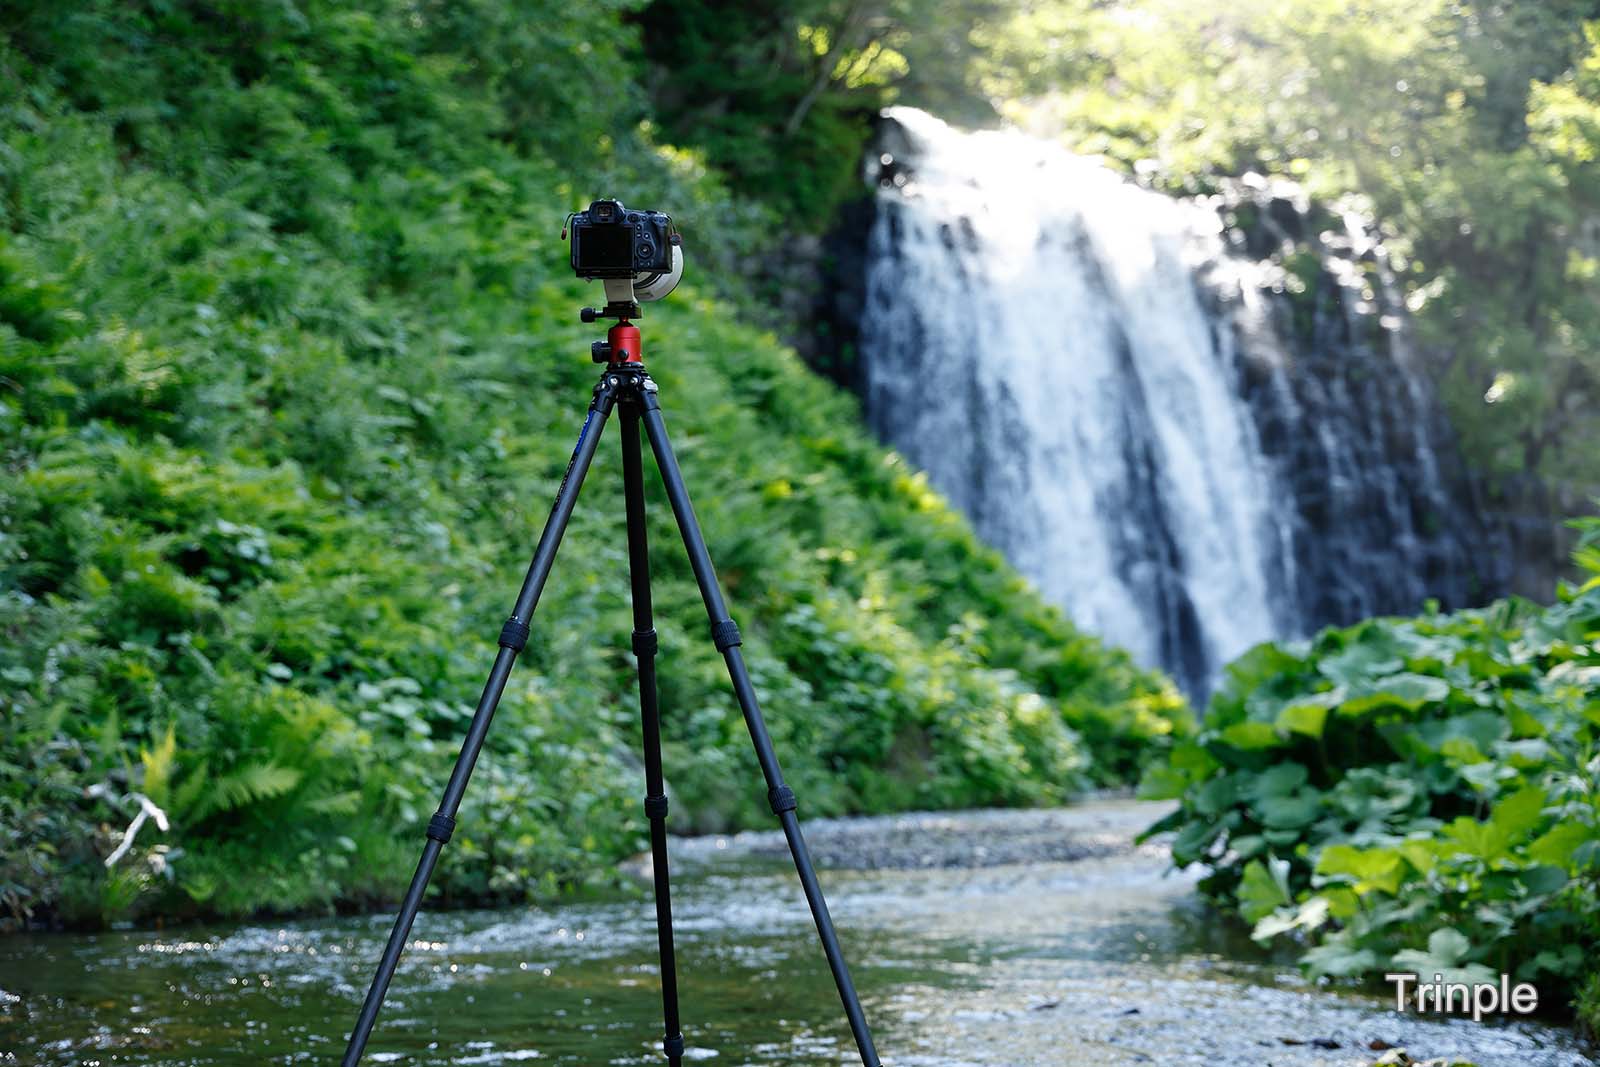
[(780, 96), (289, 371), (1412, 794)]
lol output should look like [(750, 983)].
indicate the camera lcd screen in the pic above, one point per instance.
[(605, 248)]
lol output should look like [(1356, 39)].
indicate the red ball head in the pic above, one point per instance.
[(625, 344)]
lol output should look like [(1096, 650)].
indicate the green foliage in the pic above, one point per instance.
[(1411, 794), (780, 96), (289, 371), (1588, 1006)]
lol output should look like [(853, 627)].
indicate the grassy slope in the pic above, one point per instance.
[(291, 371)]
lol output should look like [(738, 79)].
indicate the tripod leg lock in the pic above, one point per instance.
[(440, 827), (725, 634), (514, 634), (644, 643), (782, 799), (655, 807), (672, 1045)]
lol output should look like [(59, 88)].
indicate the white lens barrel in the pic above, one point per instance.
[(655, 286)]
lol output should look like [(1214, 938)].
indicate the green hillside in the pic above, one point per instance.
[(290, 368)]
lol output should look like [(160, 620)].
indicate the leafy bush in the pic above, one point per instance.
[(289, 371), (1411, 794)]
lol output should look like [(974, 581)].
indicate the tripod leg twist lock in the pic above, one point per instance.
[(782, 799), (725, 635), (441, 828), (514, 634), (628, 387)]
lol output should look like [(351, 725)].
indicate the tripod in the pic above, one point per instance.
[(624, 385)]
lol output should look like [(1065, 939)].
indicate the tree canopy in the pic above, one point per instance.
[(1467, 130)]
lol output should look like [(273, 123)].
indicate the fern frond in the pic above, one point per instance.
[(346, 803), (251, 784), (189, 797), (158, 763)]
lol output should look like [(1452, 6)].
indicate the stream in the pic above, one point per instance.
[(1013, 939)]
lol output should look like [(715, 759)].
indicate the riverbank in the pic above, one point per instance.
[(978, 939)]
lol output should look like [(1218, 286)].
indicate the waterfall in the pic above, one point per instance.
[(1102, 384)]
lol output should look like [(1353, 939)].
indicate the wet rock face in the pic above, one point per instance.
[(1386, 516), (832, 347), (832, 343), (1240, 443)]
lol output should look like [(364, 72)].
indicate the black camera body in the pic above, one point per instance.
[(612, 241)]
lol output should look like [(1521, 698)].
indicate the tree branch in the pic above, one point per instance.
[(848, 27)]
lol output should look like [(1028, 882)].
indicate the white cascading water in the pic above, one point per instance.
[(1036, 337)]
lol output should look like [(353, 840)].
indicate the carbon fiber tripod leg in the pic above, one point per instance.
[(655, 801), (513, 638), (781, 797)]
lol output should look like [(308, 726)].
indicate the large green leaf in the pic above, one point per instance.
[(1360, 662), (1264, 662), (1520, 813), (1281, 779), (1558, 846), (1528, 754), (1194, 840), (1217, 795), (1264, 888), (1250, 736), (1543, 880), (1462, 750), (1306, 717), (1291, 811), (1446, 956), (1363, 869), (1481, 729), (1405, 690), (251, 784), (1476, 840)]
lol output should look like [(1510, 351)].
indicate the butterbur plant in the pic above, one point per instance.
[(1411, 794)]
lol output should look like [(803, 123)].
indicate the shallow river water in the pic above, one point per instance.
[(1012, 939)]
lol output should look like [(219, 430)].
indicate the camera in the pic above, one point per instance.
[(613, 241), (637, 254)]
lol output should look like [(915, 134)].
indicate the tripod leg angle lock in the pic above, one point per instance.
[(626, 386)]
